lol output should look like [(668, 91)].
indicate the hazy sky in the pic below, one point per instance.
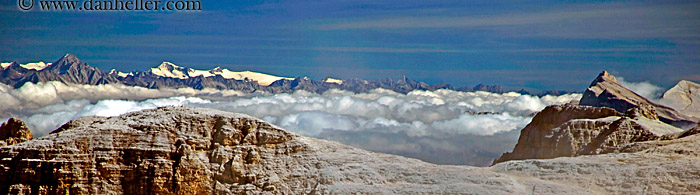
[(541, 44)]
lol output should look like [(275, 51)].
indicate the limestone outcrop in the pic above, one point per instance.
[(572, 130), (14, 131)]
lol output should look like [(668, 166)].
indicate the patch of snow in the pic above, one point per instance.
[(332, 80), (261, 78), (167, 69), (195, 73), (35, 65), (5, 64), (120, 74)]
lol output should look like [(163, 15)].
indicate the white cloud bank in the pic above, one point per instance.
[(45, 119), (418, 113), (645, 88), (442, 126), (45, 106), (33, 96)]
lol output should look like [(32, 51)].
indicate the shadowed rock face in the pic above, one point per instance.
[(604, 91), (14, 131), (536, 140), (181, 150), (571, 130)]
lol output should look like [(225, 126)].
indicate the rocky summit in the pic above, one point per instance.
[(183, 150), (604, 91)]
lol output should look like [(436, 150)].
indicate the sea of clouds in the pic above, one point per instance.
[(418, 124), (418, 113)]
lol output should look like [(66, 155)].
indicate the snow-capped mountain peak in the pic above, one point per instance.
[(167, 69)]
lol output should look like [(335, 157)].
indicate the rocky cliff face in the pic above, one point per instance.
[(604, 91), (171, 150), (181, 150), (14, 131), (573, 124)]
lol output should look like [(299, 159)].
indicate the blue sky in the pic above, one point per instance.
[(532, 45)]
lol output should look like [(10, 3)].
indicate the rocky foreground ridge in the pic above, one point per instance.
[(183, 150)]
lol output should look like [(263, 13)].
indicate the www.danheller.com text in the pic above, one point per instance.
[(127, 5)]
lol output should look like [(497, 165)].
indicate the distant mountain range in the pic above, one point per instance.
[(69, 69)]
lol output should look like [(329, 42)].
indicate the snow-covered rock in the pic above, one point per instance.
[(167, 69), (332, 80)]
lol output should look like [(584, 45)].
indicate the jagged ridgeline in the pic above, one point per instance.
[(70, 69)]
